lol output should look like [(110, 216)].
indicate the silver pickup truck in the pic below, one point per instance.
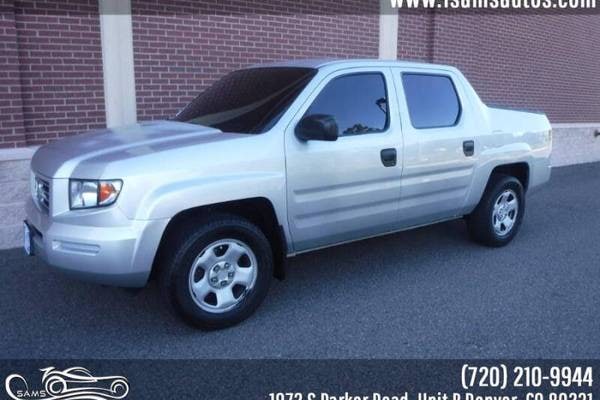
[(275, 160)]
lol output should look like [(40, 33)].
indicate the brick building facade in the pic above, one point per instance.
[(542, 62), (58, 65), (52, 77), (181, 46), (52, 82)]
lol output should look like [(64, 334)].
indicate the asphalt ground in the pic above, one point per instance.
[(426, 293)]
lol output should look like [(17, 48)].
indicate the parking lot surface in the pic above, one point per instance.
[(426, 293)]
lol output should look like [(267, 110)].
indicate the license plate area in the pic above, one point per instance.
[(27, 239)]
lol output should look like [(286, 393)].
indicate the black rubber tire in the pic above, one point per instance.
[(181, 252), (480, 221)]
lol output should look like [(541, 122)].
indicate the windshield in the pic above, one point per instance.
[(248, 100)]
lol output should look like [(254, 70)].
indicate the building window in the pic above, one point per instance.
[(357, 102), (432, 100)]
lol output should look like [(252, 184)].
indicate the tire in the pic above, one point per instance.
[(211, 259), (490, 223)]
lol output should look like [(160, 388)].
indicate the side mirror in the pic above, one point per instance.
[(317, 127)]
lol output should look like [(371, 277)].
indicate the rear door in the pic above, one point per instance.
[(440, 148), (349, 188)]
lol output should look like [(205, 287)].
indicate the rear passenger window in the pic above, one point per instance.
[(358, 102), (432, 100)]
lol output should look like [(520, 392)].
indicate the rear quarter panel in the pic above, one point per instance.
[(512, 137)]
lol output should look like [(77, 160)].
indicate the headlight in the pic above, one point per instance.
[(89, 194)]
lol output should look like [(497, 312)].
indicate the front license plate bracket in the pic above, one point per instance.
[(27, 239)]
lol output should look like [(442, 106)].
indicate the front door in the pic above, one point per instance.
[(346, 189)]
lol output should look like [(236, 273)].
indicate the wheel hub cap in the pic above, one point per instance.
[(502, 212), (504, 215), (221, 275)]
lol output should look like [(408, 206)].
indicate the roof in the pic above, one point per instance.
[(323, 62)]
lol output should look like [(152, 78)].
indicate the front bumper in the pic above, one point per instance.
[(119, 255)]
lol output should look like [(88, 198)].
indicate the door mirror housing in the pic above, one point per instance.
[(317, 127)]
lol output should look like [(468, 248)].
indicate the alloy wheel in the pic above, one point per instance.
[(222, 274)]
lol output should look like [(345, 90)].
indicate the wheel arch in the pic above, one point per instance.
[(258, 210), (519, 170)]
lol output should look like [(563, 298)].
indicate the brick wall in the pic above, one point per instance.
[(542, 62), (12, 132), (415, 35), (182, 46), (60, 59), (51, 67)]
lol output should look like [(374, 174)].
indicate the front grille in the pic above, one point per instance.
[(42, 193)]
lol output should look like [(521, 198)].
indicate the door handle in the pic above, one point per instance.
[(388, 157), (469, 147)]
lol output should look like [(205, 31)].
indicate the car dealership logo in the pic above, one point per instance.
[(72, 383)]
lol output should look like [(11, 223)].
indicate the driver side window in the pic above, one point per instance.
[(357, 102)]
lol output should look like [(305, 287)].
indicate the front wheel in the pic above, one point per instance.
[(497, 218), (219, 271)]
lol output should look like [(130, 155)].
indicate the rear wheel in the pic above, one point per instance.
[(219, 271), (497, 218)]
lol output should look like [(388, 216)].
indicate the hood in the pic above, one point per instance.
[(87, 155)]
